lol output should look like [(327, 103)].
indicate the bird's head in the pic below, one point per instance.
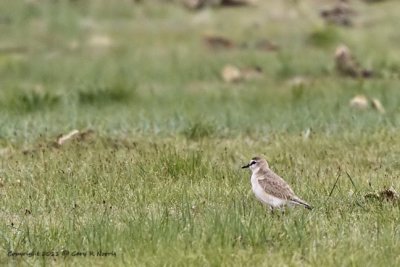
[(256, 163)]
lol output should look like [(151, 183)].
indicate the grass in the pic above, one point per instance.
[(159, 182)]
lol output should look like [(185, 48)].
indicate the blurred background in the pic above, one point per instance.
[(198, 67)]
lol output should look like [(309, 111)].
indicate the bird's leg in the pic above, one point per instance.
[(278, 211), (272, 210), (282, 211)]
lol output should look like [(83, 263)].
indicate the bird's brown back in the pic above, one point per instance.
[(274, 185)]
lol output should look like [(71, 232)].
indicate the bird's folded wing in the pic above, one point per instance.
[(276, 186)]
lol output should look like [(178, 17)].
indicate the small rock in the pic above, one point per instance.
[(388, 194), (339, 14), (307, 133), (363, 102), (347, 65), (359, 102), (376, 104), (100, 41), (64, 138), (217, 42), (231, 74)]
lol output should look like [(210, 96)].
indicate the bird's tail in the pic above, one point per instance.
[(298, 201)]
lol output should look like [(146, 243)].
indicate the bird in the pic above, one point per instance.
[(269, 188)]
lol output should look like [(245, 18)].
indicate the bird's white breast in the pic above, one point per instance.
[(264, 197)]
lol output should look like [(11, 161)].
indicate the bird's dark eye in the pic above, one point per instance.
[(252, 163)]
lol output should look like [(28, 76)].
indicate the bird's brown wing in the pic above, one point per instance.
[(274, 185)]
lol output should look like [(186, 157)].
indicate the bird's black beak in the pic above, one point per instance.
[(246, 166)]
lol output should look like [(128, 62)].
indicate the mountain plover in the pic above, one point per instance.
[(269, 187)]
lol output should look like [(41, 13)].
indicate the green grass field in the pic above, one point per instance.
[(158, 182)]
